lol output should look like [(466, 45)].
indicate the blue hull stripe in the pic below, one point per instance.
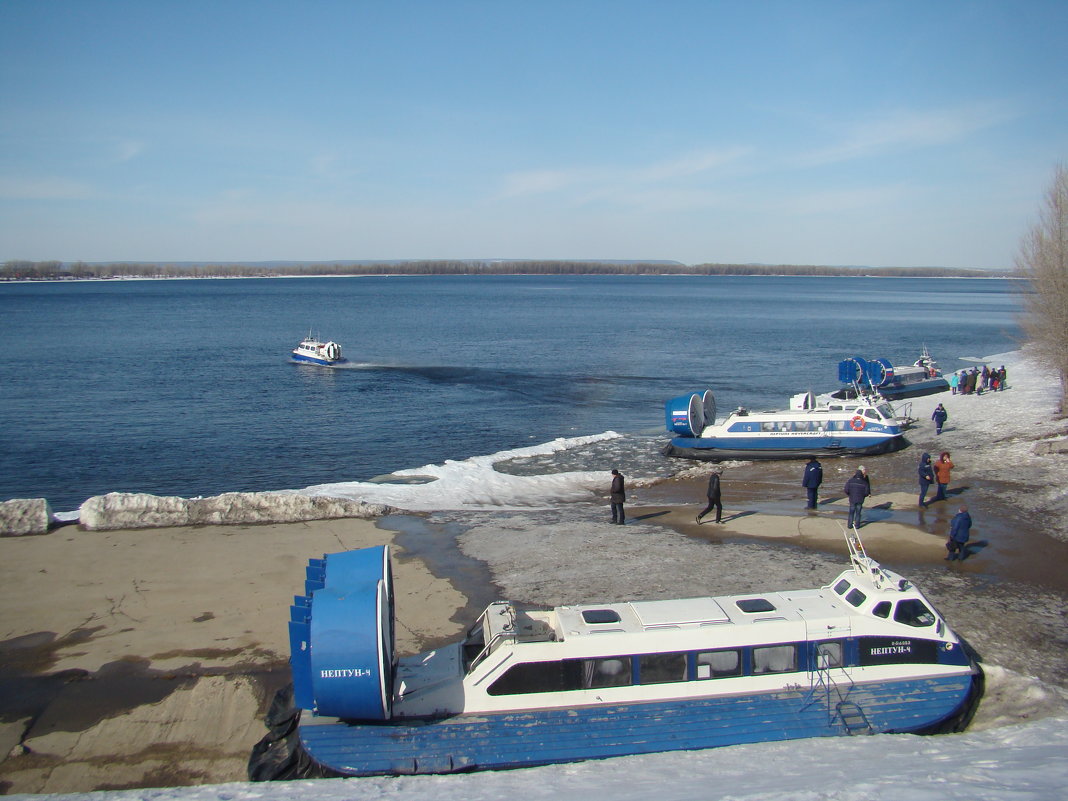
[(321, 362), (539, 737), (781, 443)]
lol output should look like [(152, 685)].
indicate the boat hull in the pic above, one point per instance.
[(303, 359), (915, 390), (718, 450), (529, 738)]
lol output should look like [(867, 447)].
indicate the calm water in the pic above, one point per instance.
[(186, 387)]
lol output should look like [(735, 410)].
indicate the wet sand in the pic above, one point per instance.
[(148, 658), (1012, 540)]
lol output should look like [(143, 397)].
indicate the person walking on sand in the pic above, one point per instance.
[(926, 477), (940, 415), (811, 481), (857, 489), (942, 470), (618, 497), (714, 499), (960, 529)]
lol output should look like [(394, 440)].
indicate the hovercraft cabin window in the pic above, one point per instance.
[(774, 659), (564, 675), (913, 612), (719, 664), (853, 597), (661, 668)]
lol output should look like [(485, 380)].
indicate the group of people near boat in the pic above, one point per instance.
[(974, 381), (858, 487)]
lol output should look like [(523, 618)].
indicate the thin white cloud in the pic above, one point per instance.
[(537, 182), (838, 201), (46, 188), (666, 178), (128, 149), (907, 129)]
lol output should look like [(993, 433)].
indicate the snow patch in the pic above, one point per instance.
[(24, 516), (118, 510)]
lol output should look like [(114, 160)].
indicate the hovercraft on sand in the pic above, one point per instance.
[(863, 654)]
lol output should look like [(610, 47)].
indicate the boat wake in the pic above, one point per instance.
[(595, 390)]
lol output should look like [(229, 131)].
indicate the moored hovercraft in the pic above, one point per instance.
[(864, 654), (812, 425)]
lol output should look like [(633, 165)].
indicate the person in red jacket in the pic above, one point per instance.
[(942, 470)]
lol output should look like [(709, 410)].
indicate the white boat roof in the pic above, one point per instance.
[(808, 605)]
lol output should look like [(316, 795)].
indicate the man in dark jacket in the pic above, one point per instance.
[(960, 529), (940, 415), (857, 489), (714, 500), (927, 477), (618, 496), (811, 480)]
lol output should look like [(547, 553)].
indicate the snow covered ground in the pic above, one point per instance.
[(996, 434), (1016, 749), (1011, 763)]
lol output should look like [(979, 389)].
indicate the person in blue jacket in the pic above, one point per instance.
[(960, 529), (926, 472), (940, 415), (811, 480), (857, 489)]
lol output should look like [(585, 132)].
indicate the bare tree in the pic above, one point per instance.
[(1043, 261)]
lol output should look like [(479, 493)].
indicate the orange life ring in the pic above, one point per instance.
[(858, 423)]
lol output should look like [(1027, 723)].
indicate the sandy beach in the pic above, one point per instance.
[(147, 658)]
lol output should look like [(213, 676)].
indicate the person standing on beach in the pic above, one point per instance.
[(942, 471), (618, 495), (857, 489), (953, 381), (926, 477), (714, 499), (940, 415), (960, 530), (811, 481)]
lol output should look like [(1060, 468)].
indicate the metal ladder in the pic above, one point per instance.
[(825, 689)]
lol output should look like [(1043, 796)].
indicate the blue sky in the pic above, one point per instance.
[(847, 133)]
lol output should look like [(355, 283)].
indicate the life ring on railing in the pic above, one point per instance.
[(858, 423)]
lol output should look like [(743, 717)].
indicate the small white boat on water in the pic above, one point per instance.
[(866, 653), (811, 426), (312, 351)]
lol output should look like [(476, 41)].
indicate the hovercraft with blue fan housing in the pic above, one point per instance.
[(864, 424), (864, 654)]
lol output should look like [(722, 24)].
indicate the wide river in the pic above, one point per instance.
[(186, 387)]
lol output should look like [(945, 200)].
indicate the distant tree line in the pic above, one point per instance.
[(58, 270)]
